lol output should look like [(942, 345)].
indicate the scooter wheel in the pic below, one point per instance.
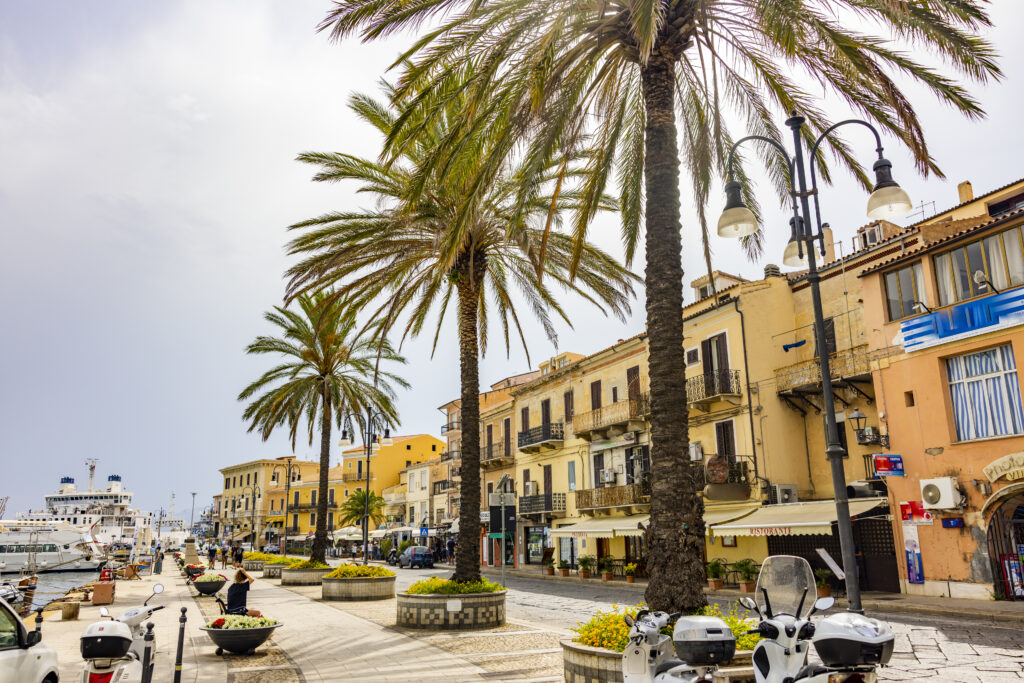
[(220, 651), (251, 652)]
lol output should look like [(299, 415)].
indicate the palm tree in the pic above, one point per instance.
[(623, 71), (329, 366), (411, 257), (356, 507)]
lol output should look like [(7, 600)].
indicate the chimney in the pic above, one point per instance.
[(772, 270), (830, 248), (965, 191)]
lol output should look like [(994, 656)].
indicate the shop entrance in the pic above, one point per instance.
[(1006, 548)]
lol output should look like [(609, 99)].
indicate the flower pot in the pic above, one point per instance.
[(440, 612), (359, 588), (592, 664), (563, 572), (550, 571), (239, 640), (747, 586), (303, 577), (716, 584), (607, 576), (584, 573), (630, 578), (208, 587), (824, 591)]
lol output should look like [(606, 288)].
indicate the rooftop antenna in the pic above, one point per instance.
[(920, 210), (3, 506), (91, 464)]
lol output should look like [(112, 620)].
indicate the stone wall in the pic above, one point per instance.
[(302, 577), (363, 588), (272, 571), (585, 664), (451, 612)]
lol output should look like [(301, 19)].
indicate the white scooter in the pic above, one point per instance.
[(113, 649), (702, 643), (851, 646)]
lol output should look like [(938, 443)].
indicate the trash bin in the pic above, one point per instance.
[(103, 592)]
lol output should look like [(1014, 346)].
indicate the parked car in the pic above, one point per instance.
[(416, 556), (271, 548), (23, 658)]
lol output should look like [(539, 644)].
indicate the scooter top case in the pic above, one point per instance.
[(106, 640), (702, 641), (848, 640)]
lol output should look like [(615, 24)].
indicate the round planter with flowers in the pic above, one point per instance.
[(240, 634), (209, 583), (355, 582), (304, 573), (442, 605)]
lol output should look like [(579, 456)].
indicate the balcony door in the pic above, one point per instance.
[(595, 395), (545, 414), (547, 480), (524, 420), (725, 438), (714, 353), (599, 470), (508, 437), (633, 383)]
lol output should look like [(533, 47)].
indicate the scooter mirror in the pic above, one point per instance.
[(104, 612), (822, 604), (749, 604), (158, 589), (629, 620)]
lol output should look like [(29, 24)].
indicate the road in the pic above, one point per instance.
[(927, 647)]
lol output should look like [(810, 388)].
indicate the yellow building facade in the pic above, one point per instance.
[(245, 512)]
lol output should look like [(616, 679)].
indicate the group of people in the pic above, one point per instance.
[(225, 552), (238, 591)]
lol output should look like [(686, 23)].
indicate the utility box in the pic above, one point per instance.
[(103, 592)]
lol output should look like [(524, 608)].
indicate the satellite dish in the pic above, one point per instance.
[(931, 494)]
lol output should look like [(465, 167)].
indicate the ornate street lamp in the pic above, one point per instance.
[(370, 425), (887, 201), (287, 469)]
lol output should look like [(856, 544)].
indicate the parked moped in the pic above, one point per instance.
[(113, 649)]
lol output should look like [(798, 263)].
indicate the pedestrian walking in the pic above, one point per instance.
[(212, 553), (237, 554), (450, 547)]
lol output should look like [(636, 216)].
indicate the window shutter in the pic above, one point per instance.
[(568, 401), (524, 419), (633, 383), (723, 352), (595, 395), (705, 354)]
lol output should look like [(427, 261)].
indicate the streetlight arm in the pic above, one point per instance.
[(773, 143)]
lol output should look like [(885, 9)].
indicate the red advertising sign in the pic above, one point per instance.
[(913, 512)]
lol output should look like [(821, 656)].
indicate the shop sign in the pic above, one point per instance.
[(965, 320), (771, 531), (912, 550), (888, 465), (913, 512), (1010, 466)]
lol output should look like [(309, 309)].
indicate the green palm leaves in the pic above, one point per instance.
[(356, 506)]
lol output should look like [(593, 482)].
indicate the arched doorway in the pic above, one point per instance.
[(1006, 545)]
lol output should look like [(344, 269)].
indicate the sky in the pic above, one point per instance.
[(147, 176)]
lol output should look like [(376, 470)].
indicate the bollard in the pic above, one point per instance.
[(147, 655), (181, 645)]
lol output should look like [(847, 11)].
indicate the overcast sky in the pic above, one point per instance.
[(146, 177)]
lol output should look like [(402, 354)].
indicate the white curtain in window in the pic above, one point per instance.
[(944, 279), (1014, 256), (994, 259), (986, 394)]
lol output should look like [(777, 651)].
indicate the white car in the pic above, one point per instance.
[(23, 658)]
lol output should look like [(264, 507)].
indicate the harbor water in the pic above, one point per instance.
[(55, 585)]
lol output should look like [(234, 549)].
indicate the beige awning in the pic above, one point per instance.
[(604, 527), (378, 533), (793, 519)]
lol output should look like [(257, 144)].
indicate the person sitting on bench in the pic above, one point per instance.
[(237, 594)]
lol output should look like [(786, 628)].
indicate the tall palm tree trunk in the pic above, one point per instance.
[(320, 538), (675, 536), (467, 554)]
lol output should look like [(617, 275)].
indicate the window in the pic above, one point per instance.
[(572, 475), (725, 439), (568, 403), (692, 356), (433, 447), (704, 292), (599, 470), (312, 519), (330, 520), (1000, 257), (330, 496), (9, 631), (524, 419), (296, 503), (615, 394), (227, 483), (595, 395), (412, 514), (312, 497), (830, 336), (1006, 206), (985, 394), (903, 288), (412, 481), (247, 479)]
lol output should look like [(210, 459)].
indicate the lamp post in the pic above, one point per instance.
[(369, 425), (287, 469), (255, 492), (887, 200), (192, 517)]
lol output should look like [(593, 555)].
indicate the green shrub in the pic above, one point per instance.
[(716, 569), (307, 564), (280, 559), (449, 587), (358, 571), (403, 545), (747, 569), (586, 562), (562, 564), (822, 576), (629, 569), (606, 564), (385, 547)]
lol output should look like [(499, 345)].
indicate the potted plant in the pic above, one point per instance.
[(606, 564), (209, 583), (821, 581), (747, 570), (239, 634), (630, 571), (563, 568), (549, 568), (586, 562), (444, 604), (716, 570)]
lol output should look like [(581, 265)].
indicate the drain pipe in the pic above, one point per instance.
[(746, 371)]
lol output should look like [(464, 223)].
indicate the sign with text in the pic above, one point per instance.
[(888, 465), (836, 569), (913, 512), (912, 550)]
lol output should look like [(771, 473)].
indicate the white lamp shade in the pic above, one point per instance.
[(736, 222), (791, 257), (345, 442), (888, 203), (387, 441), (376, 445)]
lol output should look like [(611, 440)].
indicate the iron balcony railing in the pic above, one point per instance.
[(443, 485), (310, 506), (708, 385), (493, 451), (618, 413), (552, 431), (355, 475), (544, 502), (723, 469), (638, 493), (850, 362), (453, 426)]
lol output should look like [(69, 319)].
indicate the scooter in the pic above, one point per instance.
[(702, 643), (113, 649), (851, 646)]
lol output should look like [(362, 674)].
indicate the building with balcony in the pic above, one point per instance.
[(386, 462), (944, 333), (245, 513)]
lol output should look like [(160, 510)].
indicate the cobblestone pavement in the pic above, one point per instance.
[(927, 648)]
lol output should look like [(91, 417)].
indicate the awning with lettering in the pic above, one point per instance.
[(793, 519), (593, 528)]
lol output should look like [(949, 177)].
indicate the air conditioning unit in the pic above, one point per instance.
[(782, 493), (608, 476), (696, 452), (942, 493), (530, 488)]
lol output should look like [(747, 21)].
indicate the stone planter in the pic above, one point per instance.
[(585, 664), (563, 572), (716, 584), (273, 571), (747, 586), (303, 577), (252, 565), (451, 612), (362, 588)]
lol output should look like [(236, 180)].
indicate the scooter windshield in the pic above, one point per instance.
[(785, 586)]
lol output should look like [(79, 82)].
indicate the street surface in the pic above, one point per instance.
[(927, 647)]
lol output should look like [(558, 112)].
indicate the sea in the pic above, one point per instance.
[(55, 585)]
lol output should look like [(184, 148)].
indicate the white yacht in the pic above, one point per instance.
[(37, 546)]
